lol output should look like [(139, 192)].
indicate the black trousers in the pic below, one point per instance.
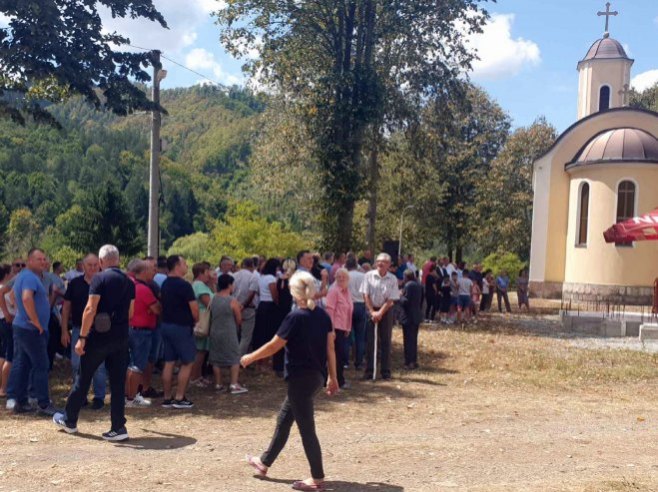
[(115, 355), (503, 296), (384, 335), (298, 407), (410, 338), (54, 340), (430, 305)]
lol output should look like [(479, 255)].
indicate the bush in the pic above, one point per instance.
[(195, 248), (499, 262), (244, 232)]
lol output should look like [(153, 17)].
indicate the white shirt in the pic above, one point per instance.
[(380, 289), (465, 285), (356, 281), (10, 306), (245, 283), (264, 282)]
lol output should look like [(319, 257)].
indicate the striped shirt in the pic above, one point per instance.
[(380, 289)]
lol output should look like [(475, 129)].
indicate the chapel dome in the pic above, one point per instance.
[(618, 145), (606, 48)]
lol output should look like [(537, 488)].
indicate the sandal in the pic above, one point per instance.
[(301, 485), (261, 469)]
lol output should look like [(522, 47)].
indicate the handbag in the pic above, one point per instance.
[(202, 327)]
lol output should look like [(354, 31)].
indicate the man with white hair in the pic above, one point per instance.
[(380, 291), (103, 338)]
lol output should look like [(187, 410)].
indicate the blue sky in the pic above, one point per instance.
[(529, 51)]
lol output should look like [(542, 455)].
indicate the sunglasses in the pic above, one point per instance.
[(19, 265)]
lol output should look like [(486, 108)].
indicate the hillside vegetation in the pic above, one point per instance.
[(70, 189)]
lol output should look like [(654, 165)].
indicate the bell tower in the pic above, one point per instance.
[(604, 74)]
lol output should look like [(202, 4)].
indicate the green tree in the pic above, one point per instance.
[(647, 99), (23, 232), (53, 48), (324, 57), (461, 138), (100, 216), (504, 199), (245, 232)]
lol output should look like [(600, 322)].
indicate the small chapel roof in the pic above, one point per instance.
[(606, 48), (618, 145)]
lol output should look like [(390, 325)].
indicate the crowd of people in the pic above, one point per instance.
[(123, 325), (458, 294), (197, 331)]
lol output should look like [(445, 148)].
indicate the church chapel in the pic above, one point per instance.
[(600, 171)]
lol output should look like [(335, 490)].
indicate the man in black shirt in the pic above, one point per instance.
[(180, 311), (75, 300), (109, 308)]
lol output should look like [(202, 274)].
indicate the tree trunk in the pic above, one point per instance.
[(373, 181), (459, 254)]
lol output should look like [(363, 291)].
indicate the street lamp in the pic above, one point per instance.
[(408, 207)]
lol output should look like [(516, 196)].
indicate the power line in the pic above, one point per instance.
[(180, 65)]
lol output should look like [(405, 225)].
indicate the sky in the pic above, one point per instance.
[(528, 51)]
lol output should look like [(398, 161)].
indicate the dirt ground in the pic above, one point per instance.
[(498, 406)]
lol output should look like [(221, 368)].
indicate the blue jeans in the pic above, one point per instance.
[(359, 330), (30, 367), (100, 376)]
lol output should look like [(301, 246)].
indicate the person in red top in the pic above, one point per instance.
[(142, 326)]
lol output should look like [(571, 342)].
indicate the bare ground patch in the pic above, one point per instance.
[(495, 407)]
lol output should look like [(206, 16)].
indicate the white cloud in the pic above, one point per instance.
[(184, 19), (204, 62), (645, 80), (202, 59), (501, 55)]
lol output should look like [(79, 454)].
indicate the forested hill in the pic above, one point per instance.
[(68, 188)]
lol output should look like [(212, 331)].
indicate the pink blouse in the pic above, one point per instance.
[(339, 307)]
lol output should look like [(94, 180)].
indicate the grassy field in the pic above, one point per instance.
[(506, 404)]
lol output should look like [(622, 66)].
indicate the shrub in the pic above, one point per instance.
[(509, 262)]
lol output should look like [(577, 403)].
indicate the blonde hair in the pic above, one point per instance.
[(302, 288), (289, 266)]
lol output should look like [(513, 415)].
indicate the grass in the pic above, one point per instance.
[(497, 353)]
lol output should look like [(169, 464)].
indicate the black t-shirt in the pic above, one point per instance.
[(176, 295), (77, 293), (305, 332), (116, 291), (430, 282)]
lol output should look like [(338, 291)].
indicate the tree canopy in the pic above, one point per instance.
[(54, 48), (337, 62)]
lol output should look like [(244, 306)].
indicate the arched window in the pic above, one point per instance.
[(604, 98), (625, 201), (583, 214), (625, 204)]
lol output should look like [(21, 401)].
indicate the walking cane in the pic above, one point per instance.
[(374, 357)]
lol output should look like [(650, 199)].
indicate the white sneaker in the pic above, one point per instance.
[(138, 402), (11, 403), (236, 389)]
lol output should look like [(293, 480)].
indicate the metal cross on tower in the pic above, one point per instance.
[(624, 93), (607, 14)]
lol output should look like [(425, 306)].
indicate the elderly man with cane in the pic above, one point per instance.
[(380, 291)]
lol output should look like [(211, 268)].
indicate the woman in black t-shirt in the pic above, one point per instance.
[(308, 338)]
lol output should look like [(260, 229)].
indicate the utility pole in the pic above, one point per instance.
[(154, 169)]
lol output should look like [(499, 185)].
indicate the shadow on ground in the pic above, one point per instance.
[(341, 486)]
